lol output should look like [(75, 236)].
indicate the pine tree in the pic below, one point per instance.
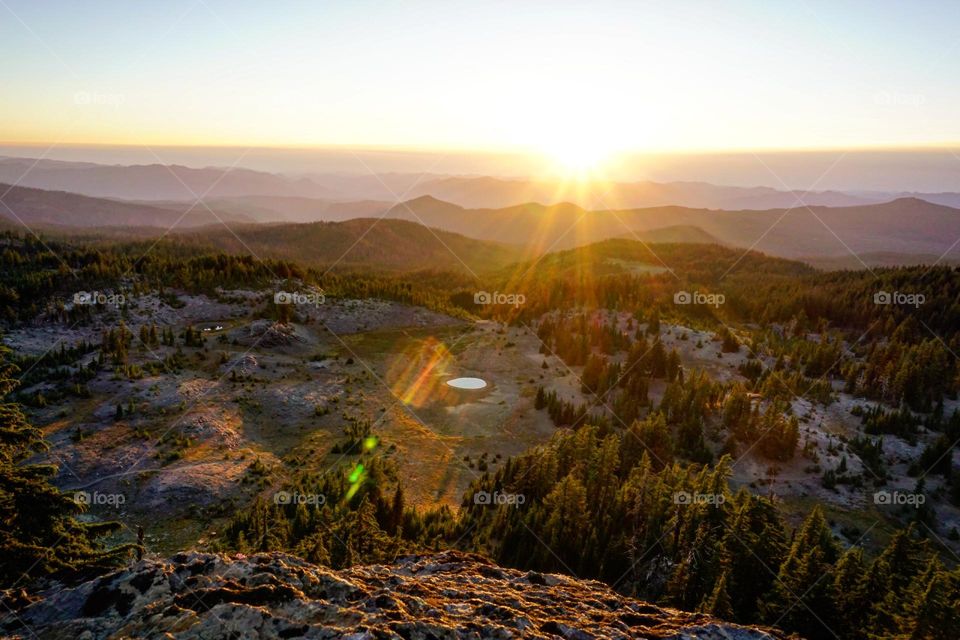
[(673, 365), (658, 360), (541, 400), (924, 514), (368, 543), (930, 606), (653, 327), (40, 535), (754, 541), (890, 574), (851, 599), (567, 521), (314, 549), (396, 512), (800, 600), (718, 602)]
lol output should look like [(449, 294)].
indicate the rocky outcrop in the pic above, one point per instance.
[(443, 596), (267, 334)]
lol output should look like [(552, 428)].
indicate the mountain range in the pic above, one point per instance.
[(151, 182), (319, 230), (41, 208), (156, 182), (907, 226)]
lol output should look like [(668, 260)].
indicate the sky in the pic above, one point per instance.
[(576, 81)]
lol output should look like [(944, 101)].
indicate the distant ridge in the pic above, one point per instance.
[(38, 207), (182, 183), (489, 192), (684, 234), (288, 208), (151, 181), (362, 243), (909, 229), (908, 226)]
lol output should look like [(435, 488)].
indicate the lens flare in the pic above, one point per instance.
[(356, 478), (416, 374)]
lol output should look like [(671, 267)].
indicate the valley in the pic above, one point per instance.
[(196, 399), (189, 438), (230, 403)]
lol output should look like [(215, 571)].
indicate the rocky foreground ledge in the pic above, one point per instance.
[(442, 596)]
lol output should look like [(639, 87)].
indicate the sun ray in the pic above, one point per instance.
[(417, 373)]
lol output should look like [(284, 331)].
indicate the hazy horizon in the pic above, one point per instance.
[(927, 170)]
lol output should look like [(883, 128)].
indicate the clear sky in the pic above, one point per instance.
[(584, 78)]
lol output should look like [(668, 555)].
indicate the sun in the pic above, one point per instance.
[(573, 157)]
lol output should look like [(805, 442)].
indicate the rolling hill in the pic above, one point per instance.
[(907, 226), (292, 197), (292, 208), (153, 181), (903, 231), (676, 234), (627, 255), (488, 192), (40, 208), (362, 243)]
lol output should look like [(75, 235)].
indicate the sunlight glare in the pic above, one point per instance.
[(573, 157)]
